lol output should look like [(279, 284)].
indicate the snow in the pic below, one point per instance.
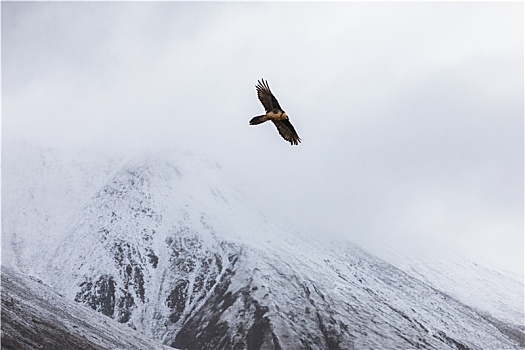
[(166, 244), (478, 284), (33, 316)]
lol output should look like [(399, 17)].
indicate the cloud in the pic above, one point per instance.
[(411, 113)]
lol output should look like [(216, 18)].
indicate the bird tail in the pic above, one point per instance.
[(258, 120)]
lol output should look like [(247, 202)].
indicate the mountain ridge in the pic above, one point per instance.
[(167, 246), (36, 317)]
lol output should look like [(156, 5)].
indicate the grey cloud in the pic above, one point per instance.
[(411, 113)]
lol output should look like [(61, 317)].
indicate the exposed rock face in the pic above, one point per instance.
[(166, 246), (36, 317)]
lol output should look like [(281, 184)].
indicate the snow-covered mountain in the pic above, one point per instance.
[(165, 244), (477, 283), (36, 317)]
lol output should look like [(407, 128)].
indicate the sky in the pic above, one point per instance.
[(411, 113)]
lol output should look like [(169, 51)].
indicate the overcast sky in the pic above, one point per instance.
[(411, 113)]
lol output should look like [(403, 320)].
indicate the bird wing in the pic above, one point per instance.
[(287, 131), (266, 97)]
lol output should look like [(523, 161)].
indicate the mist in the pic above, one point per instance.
[(411, 114)]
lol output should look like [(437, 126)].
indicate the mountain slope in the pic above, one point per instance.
[(35, 317), (164, 244), (481, 285), (42, 191)]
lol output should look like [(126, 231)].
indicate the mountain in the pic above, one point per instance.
[(477, 283), (36, 317), (165, 244)]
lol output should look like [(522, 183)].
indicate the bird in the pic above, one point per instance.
[(275, 113)]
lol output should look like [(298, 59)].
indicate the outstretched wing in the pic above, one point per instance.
[(266, 97), (287, 131)]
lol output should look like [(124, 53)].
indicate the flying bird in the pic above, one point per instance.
[(275, 113)]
